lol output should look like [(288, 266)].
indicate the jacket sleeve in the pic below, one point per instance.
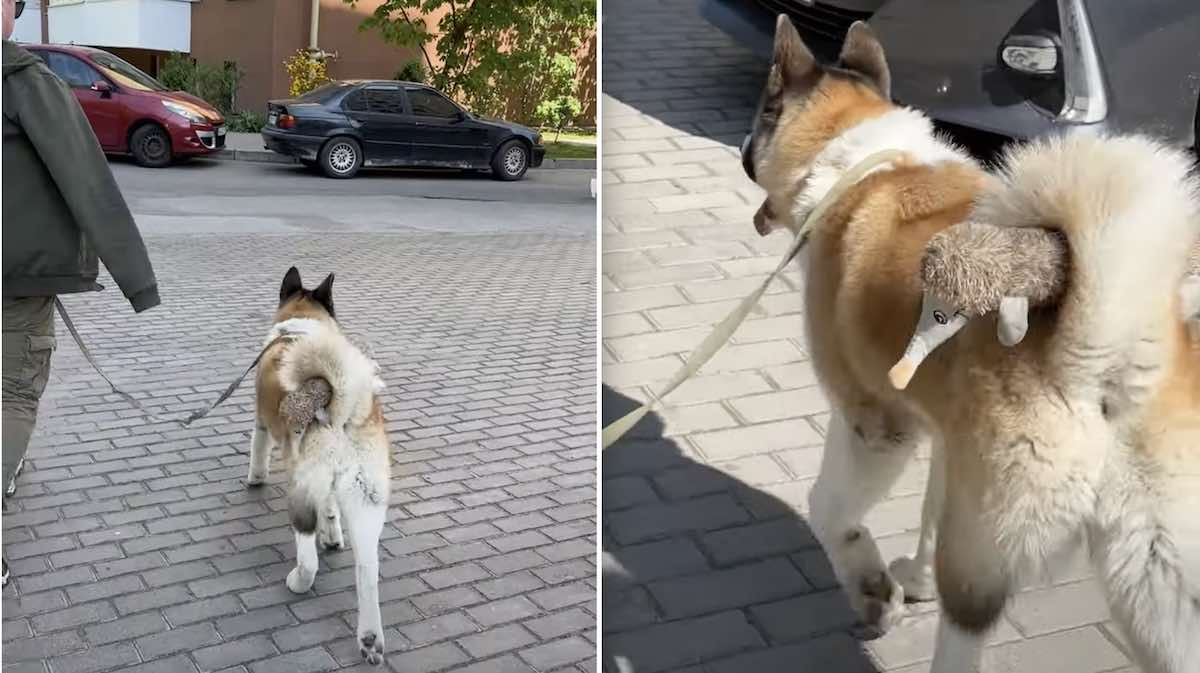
[(63, 138)]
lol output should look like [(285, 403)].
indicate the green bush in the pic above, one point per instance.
[(413, 71), (216, 84), (247, 122)]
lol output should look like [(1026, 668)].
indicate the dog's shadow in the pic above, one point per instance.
[(699, 567)]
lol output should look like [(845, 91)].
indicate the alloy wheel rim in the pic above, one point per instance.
[(342, 157), (514, 160)]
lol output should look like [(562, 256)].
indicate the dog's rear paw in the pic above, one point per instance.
[(879, 600), (917, 580), (370, 646)]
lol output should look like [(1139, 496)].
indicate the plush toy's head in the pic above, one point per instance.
[(972, 269)]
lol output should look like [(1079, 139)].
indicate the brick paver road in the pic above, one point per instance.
[(134, 545), (709, 565)]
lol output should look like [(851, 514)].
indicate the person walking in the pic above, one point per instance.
[(62, 210)]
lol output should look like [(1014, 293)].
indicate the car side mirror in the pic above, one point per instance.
[(460, 116), (103, 88)]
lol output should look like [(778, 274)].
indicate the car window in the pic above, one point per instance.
[(357, 101), (431, 104), (321, 93), (385, 101), (126, 74), (71, 70)]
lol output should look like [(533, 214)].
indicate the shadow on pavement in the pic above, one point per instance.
[(700, 567)]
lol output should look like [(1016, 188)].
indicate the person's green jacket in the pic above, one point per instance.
[(61, 205)]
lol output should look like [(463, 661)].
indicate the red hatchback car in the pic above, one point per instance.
[(130, 111)]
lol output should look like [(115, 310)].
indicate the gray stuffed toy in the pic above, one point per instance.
[(972, 269)]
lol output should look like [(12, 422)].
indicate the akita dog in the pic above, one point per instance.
[(1088, 431), (338, 466)]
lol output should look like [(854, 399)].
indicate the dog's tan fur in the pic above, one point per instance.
[(1089, 428)]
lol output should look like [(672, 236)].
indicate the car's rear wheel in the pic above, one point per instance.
[(341, 158), (150, 146), (511, 161)]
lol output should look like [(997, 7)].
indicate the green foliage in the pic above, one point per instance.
[(412, 71), (306, 71), (559, 106), (498, 57), (247, 121), (216, 84)]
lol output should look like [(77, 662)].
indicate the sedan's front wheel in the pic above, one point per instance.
[(341, 158), (511, 161)]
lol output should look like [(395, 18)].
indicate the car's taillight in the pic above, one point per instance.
[(287, 121)]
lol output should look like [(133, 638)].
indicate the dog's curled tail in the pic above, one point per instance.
[(1129, 207), (326, 353)]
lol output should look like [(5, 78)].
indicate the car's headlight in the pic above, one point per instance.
[(537, 140), (185, 112)]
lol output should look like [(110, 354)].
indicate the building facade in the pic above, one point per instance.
[(257, 35)]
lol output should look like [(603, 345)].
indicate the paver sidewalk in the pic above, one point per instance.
[(134, 545), (708, 562)]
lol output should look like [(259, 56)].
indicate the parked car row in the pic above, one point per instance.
[(338, 128)]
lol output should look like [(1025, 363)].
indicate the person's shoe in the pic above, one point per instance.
[(4, 574), (10, 489)]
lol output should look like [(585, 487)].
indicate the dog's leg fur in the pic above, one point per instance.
[(972, 580), (301, 578), (915, 573), (1143, 558), (366, 524), (329, 525), (856, 472), (956, 650), (260, 455)]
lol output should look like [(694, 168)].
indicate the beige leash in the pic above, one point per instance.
[(725, 329)]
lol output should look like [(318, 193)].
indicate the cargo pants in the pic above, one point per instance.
[(28, 344)]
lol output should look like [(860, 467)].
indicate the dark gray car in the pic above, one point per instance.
[(1019, 68)]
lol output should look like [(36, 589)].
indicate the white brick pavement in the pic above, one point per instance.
[(709, 565), (134, 545)]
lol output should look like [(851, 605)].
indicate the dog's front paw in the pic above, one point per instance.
[(254, 480), (917, 580), (370, 645), (879, 601)]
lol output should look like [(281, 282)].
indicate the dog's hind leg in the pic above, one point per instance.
[(915, 573), (956, 650), (972, 579), (365, 519), (329, 525), (857, 470), (260, 455), (1147, 557), (300, 579)]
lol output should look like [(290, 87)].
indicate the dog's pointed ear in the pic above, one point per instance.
[(793, 66), (324, 293), (291, 284), (863, 54)]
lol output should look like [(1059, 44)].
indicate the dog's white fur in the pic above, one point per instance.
[(900, 129), (1125, 483), (339, 466)]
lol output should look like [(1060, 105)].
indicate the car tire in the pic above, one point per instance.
[(151, 146), (511, 161), (340, 158)]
